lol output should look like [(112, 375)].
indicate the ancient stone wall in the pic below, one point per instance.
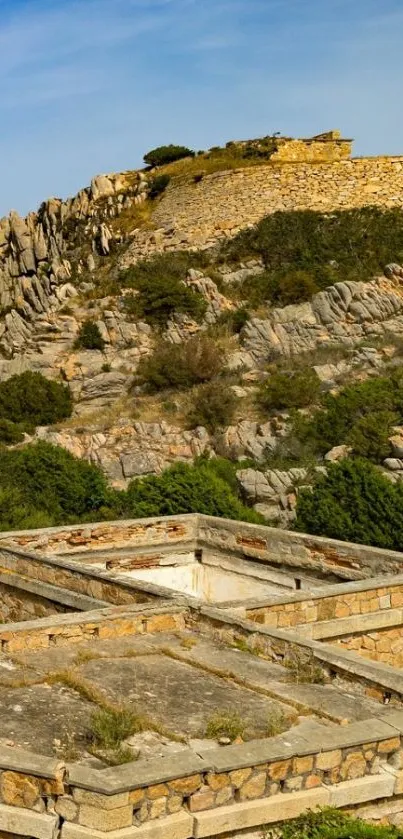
[(345, 601), (296, 551), (18, 605), (385, 645), (223, 203), (220, 791)]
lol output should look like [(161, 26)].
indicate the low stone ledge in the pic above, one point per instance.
[(354, 587), (56, 594), (374, 672), (355, 624), (29, 763), (246, 814), (178, 826), (254, 753), (27, 822), (369, 788), (141, 773)]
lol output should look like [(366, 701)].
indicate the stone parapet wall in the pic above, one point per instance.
[(18, 605), (105, 536), (219, 791), (296, 552), (385, 645), (63, 630), (223, 203), (340, 601)]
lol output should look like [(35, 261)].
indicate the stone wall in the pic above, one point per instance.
[(385, 645), (105, 536), (18, 605), (220, 791), (297, 553), (221, 204), (341, 601)]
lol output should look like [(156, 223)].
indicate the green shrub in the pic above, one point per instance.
[(213, 406), (184, 489), (89, 337), (360, 414), (369, 436), (158, 185), (109, 726), (355, 503), (51, 481), (10, 432), (161, 290), (166, 154), (289, 389), (181, 365), (330, 823), (30, 400), (235, 319), (305, 251)]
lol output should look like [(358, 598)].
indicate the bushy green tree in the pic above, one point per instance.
[(293, 388), (354, 502), (185, 489), (161, 290), (30, 399), (89, 337), (166, 154), (52, 481), (361, 415)]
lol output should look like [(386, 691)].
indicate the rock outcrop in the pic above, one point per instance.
[(342, 314)]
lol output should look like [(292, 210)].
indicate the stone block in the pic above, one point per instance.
[(66, 808), (105, 820), (247, 814), (217, 781), (157, 791), (362, 789), (328, 760), (202, 800), (186, 785), (103, 802), (391, 745), (254, 788), (177, 826), (19, 790), (27, 823), (302, 764), (238, 777)]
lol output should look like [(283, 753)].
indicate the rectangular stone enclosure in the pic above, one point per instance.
[(189, 676)]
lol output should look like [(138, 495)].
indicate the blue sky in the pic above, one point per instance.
[(87, 86)]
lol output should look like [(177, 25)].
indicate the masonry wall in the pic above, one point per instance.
[(384, 645), (18, 605), (105, 536), (342, 601), (224, 202), (296, 552)]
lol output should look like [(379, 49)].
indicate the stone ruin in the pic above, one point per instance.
[(299, 637)]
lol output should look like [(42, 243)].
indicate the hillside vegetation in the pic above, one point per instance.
[(181, 380)]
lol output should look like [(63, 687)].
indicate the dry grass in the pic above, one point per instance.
[(207, 164), (225, 723)]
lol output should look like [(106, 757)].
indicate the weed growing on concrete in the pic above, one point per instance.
[(277, 722), (109, 726), (225, 723), (303, 668)]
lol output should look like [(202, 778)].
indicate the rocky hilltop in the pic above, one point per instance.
[(61, 268)]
